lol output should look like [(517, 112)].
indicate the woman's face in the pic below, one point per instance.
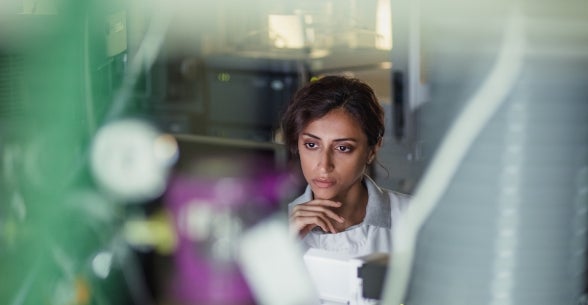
[(333, 154)]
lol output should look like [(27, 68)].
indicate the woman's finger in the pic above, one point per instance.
[(315, 219), (309, 210)]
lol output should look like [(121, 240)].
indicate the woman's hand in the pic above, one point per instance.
[(319, 212)]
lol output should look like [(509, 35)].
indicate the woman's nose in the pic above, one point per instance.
[(326, 161)]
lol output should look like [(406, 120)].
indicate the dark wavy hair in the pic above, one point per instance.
[(319, 97)]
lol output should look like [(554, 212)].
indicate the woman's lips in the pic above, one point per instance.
[(323, 183)]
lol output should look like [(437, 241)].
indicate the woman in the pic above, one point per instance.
[(335, 126)]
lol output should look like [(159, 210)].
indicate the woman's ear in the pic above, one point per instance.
[(374, 151)]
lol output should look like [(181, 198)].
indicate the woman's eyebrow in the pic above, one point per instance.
[(310, 135), (345, 139), (336, 140)]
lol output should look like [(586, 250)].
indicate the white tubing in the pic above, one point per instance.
[(462, 133)]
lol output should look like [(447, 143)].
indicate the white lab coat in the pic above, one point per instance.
[(374, 234)]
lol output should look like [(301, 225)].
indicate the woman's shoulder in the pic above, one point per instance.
[(396, 198), (402, 200), (399, 195)]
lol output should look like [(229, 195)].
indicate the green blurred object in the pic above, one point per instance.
[(58, 72)]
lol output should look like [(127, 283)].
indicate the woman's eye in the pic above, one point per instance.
[(343, 148), (310, 145)]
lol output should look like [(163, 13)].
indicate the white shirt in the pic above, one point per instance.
[(373, 234)]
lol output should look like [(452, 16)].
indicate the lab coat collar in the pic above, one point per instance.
[(378, 208)]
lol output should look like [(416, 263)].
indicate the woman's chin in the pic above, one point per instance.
[(323, 195)]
